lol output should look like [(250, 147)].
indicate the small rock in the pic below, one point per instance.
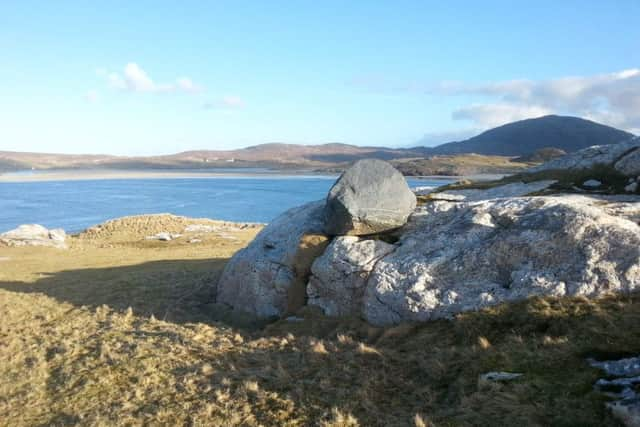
[(627, 411), (631, 188), (619, 368), (499, 376), (423, 190), (200, 228), (195, 241), (592, 183), (34, 235), (623, 387), (164, 236)]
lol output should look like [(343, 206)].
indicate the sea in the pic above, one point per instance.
[(75, 205)]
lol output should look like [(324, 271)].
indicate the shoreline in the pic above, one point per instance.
[(90, 175)]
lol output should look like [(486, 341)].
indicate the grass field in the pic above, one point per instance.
[(118, 330)]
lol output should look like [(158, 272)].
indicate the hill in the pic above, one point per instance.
[(521, 138), (526, 136)]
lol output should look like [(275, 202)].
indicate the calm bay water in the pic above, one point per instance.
[(76, 205)]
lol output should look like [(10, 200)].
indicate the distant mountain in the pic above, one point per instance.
[(526, 136), (514, 139), (295, 153)]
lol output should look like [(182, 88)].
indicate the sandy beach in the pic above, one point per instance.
[(83, 175), (80, 175)]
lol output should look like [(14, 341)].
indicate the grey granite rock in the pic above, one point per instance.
[(268, 277), (369, 197), (455, 257), (340, 274)]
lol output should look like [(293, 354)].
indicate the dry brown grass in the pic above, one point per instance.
[(460, 164), (71, 352)]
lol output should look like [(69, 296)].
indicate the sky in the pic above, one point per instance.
[(145, 78)]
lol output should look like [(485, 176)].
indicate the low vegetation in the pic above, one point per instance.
[(118, 331), (571, 181), (460, 164)]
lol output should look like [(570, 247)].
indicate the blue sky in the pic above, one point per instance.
[(160, 77)]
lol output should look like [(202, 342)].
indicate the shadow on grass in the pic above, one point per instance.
[(384, 376), (298, 371), (178, 291)]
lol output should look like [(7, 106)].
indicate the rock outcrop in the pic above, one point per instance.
[(624, 156), (515, 189), (340, 275), (455, 257), (370, 197), (268, 277), (34, 235), (462, 250)]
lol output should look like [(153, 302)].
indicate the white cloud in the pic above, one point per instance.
[(233, 101), (91, 96), (135, 79), (227, 102), (612, 98), (187, 85), (492, 115)]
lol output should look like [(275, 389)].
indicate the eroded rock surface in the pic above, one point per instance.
[(629, 165), (515, 189), (34, 235), (455, 257), (599, 155), (370, 197), (339, 276), (265, 279)]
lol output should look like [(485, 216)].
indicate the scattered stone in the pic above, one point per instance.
[(627, 411), (204, 228), (515, 189), (268, 277), (195, 241), (369, 197), (34, 235), (623, 388), (227, 236), (423, 190), (499, 376), (339, 276), (200, 228), (164, 236), (592, 183), (455, 257), (619, 368)]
